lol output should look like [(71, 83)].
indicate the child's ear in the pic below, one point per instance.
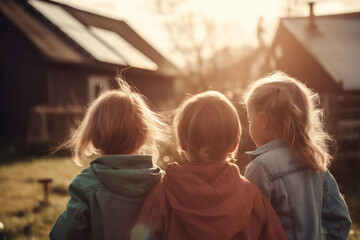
[(265, 120)]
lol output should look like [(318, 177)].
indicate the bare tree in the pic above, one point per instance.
[(195, 39)]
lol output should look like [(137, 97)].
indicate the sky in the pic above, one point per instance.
[(237, 19)]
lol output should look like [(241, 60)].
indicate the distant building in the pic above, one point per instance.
[(324, 52), (52, 54)]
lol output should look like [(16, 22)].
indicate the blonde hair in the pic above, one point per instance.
[(295, 113), (207, 126), (117, 122)]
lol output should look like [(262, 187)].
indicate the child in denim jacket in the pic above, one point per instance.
[(290, 163)]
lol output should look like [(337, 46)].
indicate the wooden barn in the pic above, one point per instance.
[(53, 55), (324, 52)]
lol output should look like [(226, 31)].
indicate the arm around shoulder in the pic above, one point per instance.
[(336, 220), (74, 222)]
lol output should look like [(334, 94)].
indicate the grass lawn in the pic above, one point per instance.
[(22, 215)]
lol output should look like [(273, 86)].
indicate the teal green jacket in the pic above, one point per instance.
[(106, 198)]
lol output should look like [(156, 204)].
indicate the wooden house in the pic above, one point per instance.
[(54, 55)]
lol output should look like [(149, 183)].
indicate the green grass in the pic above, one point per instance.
[(355, 232), (20, 212), (20, 194)]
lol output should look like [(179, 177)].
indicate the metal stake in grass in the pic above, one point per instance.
[(45, 182)]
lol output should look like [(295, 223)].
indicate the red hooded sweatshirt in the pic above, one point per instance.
[(207, 201)]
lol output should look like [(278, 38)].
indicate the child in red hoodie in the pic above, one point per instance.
[(207, 198)]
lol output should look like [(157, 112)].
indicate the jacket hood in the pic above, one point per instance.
[(128, 175), (209, 197)]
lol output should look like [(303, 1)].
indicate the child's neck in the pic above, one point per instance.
[(269, 140), (102, 153)]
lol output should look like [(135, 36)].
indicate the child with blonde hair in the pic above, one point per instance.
[(290, 163), (107, 196), (207, 198)]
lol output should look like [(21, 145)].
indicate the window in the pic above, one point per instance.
[(96, 85)]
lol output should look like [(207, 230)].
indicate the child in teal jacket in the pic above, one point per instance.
[(107, 196)]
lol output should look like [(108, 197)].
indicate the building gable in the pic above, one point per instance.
[(334, 43)]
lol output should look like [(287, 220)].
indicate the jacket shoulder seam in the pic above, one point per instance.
[(287, 172)]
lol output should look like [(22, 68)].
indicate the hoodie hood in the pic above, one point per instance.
[(128, 175), (209, 197)]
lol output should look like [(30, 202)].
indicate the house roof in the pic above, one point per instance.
[(41, 35), (66, 34), (334, 43)]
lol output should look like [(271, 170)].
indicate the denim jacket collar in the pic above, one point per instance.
[(274, 144)]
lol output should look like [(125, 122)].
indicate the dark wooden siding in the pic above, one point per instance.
[(346, 113), (22, 80), (67, 85), (156, 88)]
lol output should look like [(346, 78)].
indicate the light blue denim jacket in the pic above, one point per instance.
[(308, 202)]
